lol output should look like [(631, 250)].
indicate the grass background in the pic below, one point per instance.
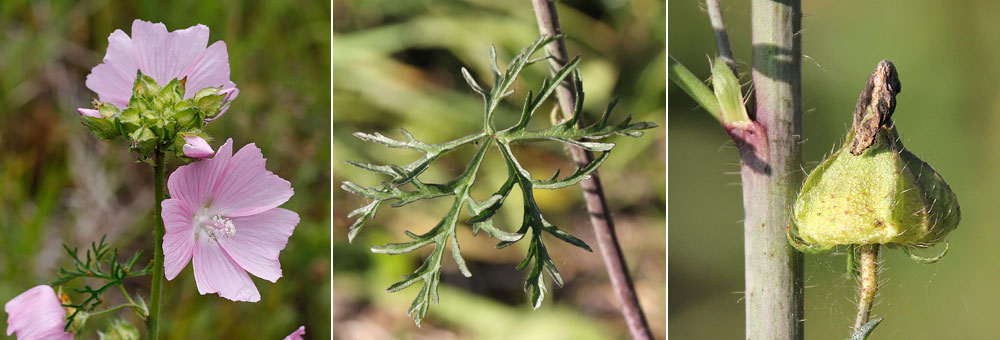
[(396, 64), (948, 114), (58, 184)]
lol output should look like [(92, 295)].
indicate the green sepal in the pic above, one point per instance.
[(188, 117), (927, 260), (173, 92), (128, 121), (210, 101), (144, 88), (101, 127)]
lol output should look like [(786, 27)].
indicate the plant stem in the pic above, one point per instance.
[(771, 157), (157, 288), (868, 255), (112, 309), (593, 192), (721, 36)]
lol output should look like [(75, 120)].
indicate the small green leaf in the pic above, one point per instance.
[(694, 87), (865, 330), (729, 94)]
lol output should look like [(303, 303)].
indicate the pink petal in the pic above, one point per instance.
[(114, 77), (258, 240), (247, 188), (90, 113), (36, 314), (197, 147), (178, 242), (297, 334), (216, 272), (194, 182), (209, 69), (164, 55)]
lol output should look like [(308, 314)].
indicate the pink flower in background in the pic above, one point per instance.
[(163, 56), (297, 334), (196, 147), (90, 113), (36, 314), (223, 216)]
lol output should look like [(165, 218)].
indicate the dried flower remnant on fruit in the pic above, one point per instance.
[(875, 106)]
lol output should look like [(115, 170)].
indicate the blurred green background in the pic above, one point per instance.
[(947, 113), (58, 184), (396, 64)]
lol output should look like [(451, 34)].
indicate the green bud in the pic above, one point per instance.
[(120, 330), (188, 117), (144, 87), (729, 93), (210, 104), (107, 110), (173, 92), (128, 121), (143, 141), (101, 127), (79, 319)]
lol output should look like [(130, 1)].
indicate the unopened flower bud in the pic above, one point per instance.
[(143, 141), (144, 88), (98, 124), (212, 101), (197, 148), (89, 113)]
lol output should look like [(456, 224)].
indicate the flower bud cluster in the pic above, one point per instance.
[(160, 118)]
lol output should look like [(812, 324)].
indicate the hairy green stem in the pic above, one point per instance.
[(868, 286), (125, 293), (771, 157), (593, 192), (157, 287), (112, 309)]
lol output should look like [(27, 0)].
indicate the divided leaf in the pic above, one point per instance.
[(481, 213)]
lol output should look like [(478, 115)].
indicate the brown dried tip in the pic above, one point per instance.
[(875, 106)]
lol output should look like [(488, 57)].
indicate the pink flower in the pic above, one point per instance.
[(196, 147), (90, 113), (37, 314), (297, 334), (223, 216), (163, 56)]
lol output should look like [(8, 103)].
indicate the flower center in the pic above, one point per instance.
[(214, 227)]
